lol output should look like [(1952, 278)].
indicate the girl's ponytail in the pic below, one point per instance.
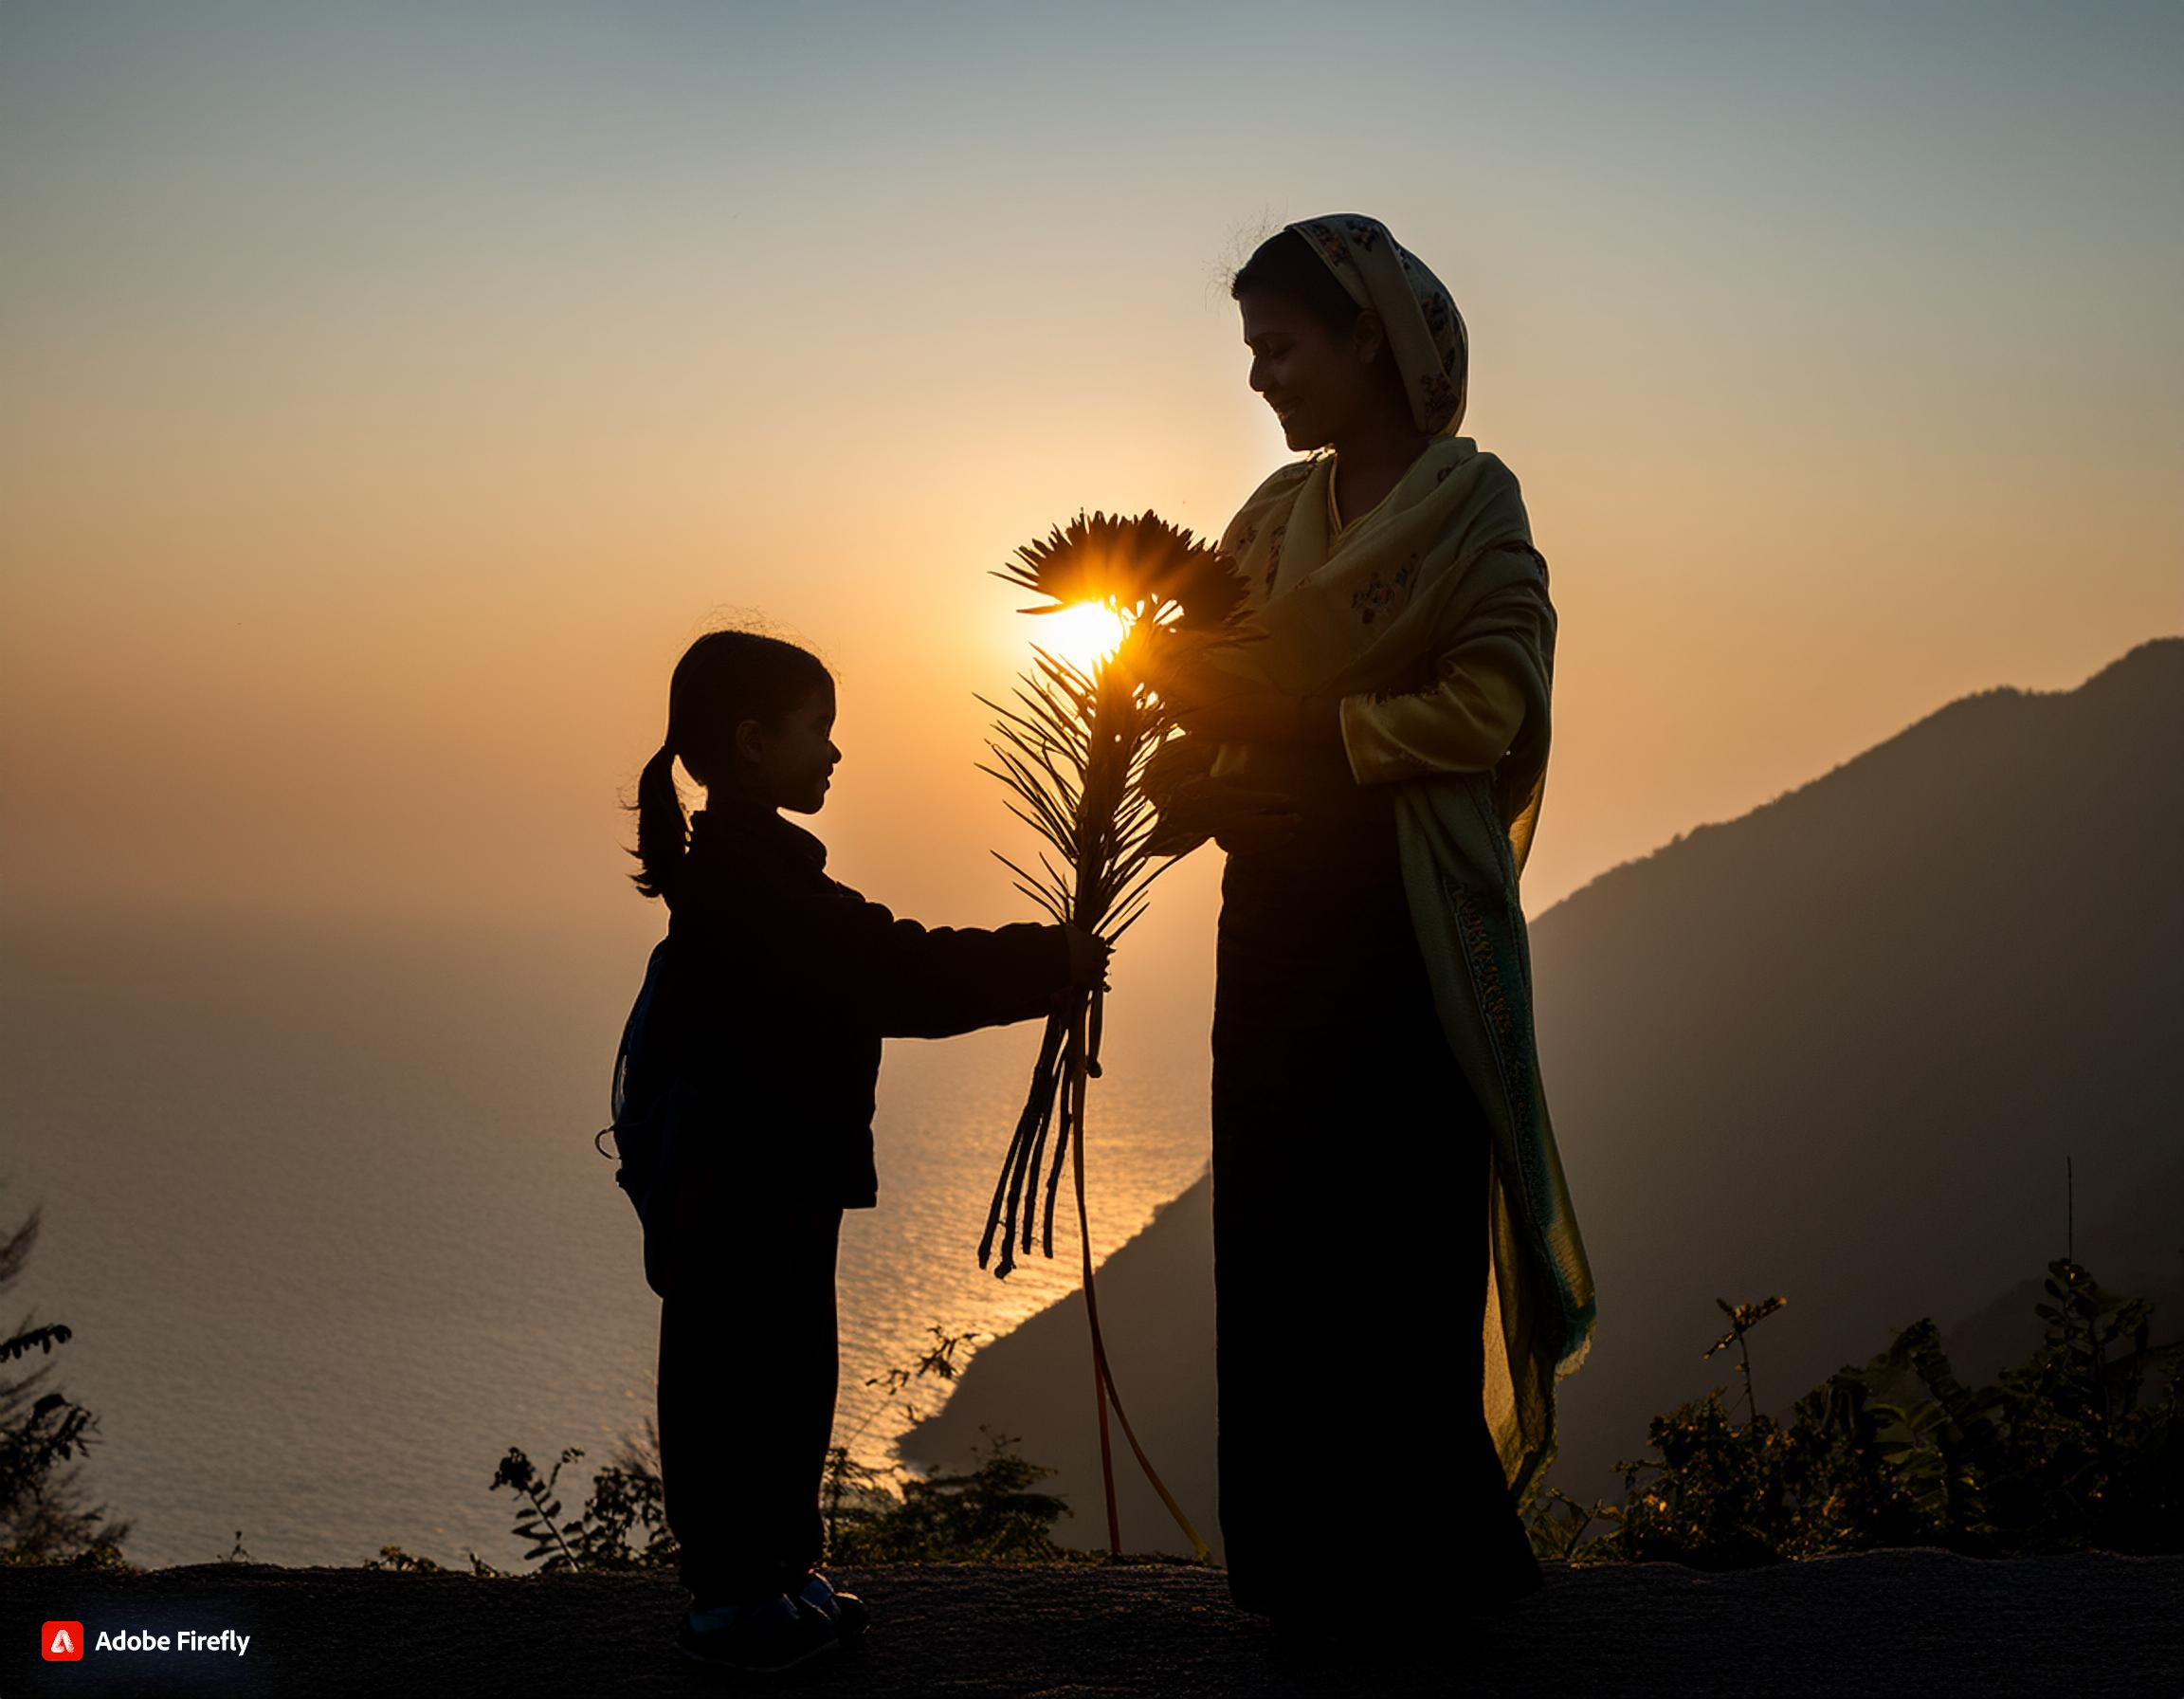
[(722, 679), (663, 833)]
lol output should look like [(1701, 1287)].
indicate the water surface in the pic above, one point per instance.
[(323, 1209)]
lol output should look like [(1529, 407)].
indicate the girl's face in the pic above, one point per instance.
[(1321, 386), (790, 765)]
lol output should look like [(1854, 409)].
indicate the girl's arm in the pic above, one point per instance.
[(914, 981)]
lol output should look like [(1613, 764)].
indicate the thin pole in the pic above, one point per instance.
[(1075, 1109)]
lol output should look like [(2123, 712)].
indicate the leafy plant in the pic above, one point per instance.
[(849, 1482), (404, 1563), (1073, 748), (2081, 1446), (988, 1513), (1742, 1318), (2085, 1449), (1074, 751), (46, 1516), (624, 1521)]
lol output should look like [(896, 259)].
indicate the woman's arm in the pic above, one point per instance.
[(1213, 705), (1462, 723), (1195, 806), (1174, 778), (1487, 695), (1462, 720)]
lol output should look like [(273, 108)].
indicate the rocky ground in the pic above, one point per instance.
[(1922, 1622)]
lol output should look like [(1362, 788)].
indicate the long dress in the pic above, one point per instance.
[(1350, 1195)]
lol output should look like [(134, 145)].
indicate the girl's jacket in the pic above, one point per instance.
[(752, 1055)]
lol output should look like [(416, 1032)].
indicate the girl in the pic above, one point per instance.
[(1384, 1170), (744, 1099)]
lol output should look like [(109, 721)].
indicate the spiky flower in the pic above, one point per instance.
[(1143, 568)]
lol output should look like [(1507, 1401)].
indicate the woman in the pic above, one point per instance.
[(1387, 1196)]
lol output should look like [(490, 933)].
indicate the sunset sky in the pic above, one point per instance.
[(392, 390)]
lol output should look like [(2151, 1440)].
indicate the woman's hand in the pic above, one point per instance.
[(1233, 817), (1221, 707), (1089, 955)]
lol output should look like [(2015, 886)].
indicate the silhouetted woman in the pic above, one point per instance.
[(1389, 1208)]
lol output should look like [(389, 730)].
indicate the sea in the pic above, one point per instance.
[(321, 1204)]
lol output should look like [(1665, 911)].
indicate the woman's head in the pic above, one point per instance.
[(750, 717), (1320, 358), (1348, 329)]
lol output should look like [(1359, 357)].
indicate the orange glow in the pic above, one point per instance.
[(1084, 634)]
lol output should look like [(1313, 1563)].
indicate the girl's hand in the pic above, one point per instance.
[(1087, 960)]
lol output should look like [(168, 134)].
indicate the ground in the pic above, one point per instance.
[(1922, 1622)]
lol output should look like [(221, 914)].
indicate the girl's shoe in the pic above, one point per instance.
[(758, 1639), (846, 1611)]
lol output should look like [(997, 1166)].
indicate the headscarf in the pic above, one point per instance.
[(1424, 331)]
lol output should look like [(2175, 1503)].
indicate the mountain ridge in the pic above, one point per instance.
[(2163, 653)]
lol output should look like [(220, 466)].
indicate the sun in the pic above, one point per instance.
[(1084, 634)]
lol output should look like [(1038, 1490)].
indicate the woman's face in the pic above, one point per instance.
[(792, 764), (1321, 386)]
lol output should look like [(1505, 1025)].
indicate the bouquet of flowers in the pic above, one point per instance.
[(1073, 748)]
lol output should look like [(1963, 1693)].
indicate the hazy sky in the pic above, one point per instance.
[(392, 391)]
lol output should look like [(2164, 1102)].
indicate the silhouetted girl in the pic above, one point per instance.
[(744, 1119)]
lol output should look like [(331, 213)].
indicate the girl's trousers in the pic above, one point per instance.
[(748, 1367)]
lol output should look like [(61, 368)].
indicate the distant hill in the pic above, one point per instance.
[(1838, 1049)]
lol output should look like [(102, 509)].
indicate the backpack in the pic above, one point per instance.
[(649, 1106)]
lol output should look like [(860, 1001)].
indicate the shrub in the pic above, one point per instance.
[(2083, 1446), (987, 1514), (45, 1515)]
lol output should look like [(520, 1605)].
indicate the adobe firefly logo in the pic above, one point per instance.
[(62, 1642)]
